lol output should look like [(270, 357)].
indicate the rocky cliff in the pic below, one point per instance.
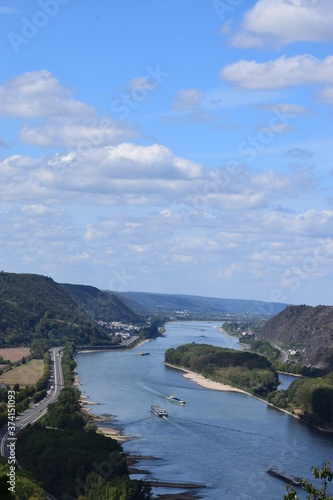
[(309, 329)]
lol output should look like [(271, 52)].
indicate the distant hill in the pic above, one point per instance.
[(306, 328), (177, 305), (34, 307)]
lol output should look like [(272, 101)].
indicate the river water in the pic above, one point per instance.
[(223, 440)]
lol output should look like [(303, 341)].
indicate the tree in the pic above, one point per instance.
[(325, 474)]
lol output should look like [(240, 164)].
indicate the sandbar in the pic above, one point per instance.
[(206, 382), (113, 433)]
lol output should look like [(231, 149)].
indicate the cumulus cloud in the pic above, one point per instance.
[(38, 94), (85, 135), (284, 22), (281, 73)]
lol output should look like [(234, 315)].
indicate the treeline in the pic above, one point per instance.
[(244, 370), (311, 399), (68, 364)]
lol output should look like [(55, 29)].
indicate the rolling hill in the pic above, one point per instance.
[(197, 306), (34, 307)]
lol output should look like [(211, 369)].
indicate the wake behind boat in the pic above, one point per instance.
[(176, 400), (157, 410)]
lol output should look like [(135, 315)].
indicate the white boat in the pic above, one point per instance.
[(160, 412), (176, 400)]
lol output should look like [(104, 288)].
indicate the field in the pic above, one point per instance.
[(15, 353), (27, 374)]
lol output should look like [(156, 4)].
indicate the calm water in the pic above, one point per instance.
[(224, 440)]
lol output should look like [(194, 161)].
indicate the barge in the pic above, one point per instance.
[(157, 410), (295, 481), (176, 400)]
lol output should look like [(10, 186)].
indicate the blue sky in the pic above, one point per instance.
[(180, 146)]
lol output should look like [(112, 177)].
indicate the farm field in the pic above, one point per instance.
[(14, 353), (23, 375)]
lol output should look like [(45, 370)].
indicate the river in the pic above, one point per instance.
[(224, 440)]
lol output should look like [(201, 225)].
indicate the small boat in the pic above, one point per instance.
[(176, 400), (144, 353), (295, 481), (160, 412)]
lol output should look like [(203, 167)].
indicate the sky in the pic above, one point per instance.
[(179, 146)]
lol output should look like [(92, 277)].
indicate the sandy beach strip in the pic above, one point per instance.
[(206, 382), (113, 433)]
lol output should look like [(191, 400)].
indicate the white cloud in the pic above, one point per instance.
[(280, 73), (187, 100), (284, 22), (38, 94), (84, 135)]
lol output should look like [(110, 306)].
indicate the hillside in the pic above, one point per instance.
[(34, 307), (309, 329), (102, 305), (177, 305)]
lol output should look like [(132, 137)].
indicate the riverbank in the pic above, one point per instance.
[(206, 382)]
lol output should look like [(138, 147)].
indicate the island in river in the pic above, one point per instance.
[(308, 399)]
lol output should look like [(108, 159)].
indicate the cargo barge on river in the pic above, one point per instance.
[(294, 481), (157, 410)]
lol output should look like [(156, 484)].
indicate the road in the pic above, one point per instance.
[(31, 415), (283, 354)]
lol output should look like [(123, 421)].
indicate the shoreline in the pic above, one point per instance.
[(204, 382), (125, 347)]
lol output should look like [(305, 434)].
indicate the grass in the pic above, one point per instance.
[(14, 353), (23, 375)]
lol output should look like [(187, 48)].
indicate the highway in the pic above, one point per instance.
[(34, 413)]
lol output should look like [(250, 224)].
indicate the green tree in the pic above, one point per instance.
[(312, 493)]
